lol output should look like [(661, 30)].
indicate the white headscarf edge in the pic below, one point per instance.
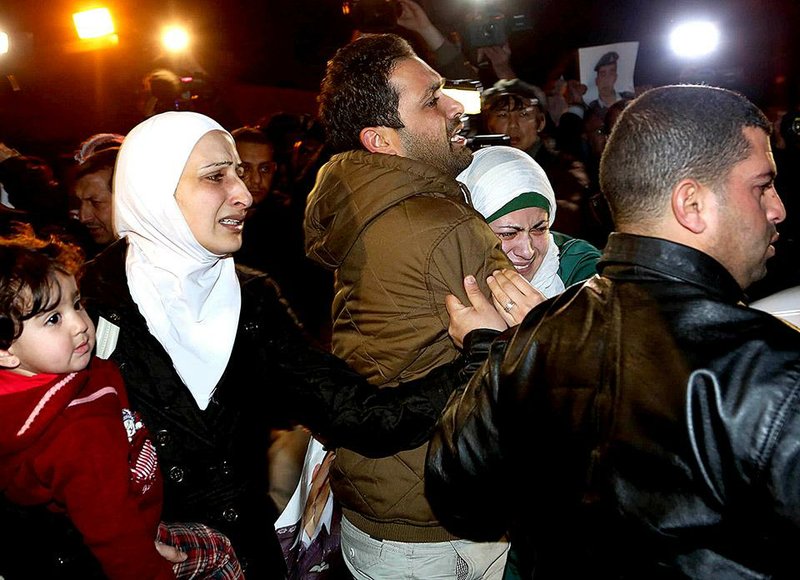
[(499, 174)]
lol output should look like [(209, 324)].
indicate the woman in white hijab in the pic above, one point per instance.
[(512, 192), (211, 356)]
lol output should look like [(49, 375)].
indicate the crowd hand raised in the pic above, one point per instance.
[(556, 101), (413, 17), (512, 295), (479, 314), (498, 56), (574, 92), (565, 95)]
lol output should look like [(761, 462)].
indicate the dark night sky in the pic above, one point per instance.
[(285, 43)]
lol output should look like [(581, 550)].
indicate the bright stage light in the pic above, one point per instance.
[(3, 43), (93, 23), (175, 38), (694, 39), (466, 92)]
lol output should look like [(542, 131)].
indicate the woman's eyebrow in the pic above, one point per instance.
[(520, 228), (218, 164)]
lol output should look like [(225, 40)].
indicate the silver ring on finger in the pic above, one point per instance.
[(509, 305)]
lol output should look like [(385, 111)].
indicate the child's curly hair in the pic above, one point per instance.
[(28, 265)]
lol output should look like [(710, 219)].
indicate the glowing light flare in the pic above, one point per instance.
[(470, 99), (4, 44), (175, 38), (93, 23), (694, 39)]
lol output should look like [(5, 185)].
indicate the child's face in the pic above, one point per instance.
[(59, 340)]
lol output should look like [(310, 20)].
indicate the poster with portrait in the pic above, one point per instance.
[(309, 528), (609, 67)]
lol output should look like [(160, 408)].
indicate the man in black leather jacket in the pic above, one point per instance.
[(647, 423)]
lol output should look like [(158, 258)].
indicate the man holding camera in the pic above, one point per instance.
[(388, 216), (447, 57)]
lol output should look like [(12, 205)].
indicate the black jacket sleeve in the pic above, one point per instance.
[(465, 478), (321, 392), (344, 410)]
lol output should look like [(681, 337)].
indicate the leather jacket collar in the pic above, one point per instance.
[(629, 256)]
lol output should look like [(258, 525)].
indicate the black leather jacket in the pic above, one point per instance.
[(214, 462), (643, 425)]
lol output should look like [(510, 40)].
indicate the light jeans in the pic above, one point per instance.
[(371, 559)]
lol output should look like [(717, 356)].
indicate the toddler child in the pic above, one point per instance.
[(67, 437)]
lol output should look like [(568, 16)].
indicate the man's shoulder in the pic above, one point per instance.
[(572, 246), (433, 218)]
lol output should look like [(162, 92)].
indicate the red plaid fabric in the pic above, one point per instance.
[(210, 554)]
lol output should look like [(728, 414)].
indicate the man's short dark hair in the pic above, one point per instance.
[(356, 91), (251, 135), (513, 95), (669, 134)]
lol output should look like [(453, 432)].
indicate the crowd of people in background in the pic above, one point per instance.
[(553, 124), (250, 280)]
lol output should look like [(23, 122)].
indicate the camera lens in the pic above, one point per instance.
[(795, 126)]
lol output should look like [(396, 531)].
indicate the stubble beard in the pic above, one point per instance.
[(443, 155)]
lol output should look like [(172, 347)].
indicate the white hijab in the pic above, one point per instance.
[(189, 296), (496, 176)]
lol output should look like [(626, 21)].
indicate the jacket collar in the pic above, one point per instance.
[(660, 258)]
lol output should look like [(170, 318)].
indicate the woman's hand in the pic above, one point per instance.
[(512, 295)]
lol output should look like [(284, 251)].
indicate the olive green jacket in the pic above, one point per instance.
[(400, 237)]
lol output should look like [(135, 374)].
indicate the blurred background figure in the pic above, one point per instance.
[(31, 187), (90, 187), (31, 194), (259, 167), (279, 164)]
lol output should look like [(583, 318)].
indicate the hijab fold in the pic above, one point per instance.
[(189, 296)]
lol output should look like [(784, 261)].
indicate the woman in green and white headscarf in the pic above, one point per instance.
[(511, 191), (515, 197)]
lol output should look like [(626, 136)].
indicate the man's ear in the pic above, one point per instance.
[(542, 123), (692, 204), (8, 360), (379, 140)]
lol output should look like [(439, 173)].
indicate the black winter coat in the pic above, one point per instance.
[(214, 462)]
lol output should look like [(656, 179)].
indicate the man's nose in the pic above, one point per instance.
[(85, 213), (776, 211), (452, 107), (254, 180)]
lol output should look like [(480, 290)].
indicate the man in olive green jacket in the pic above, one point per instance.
[(388, 216)]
